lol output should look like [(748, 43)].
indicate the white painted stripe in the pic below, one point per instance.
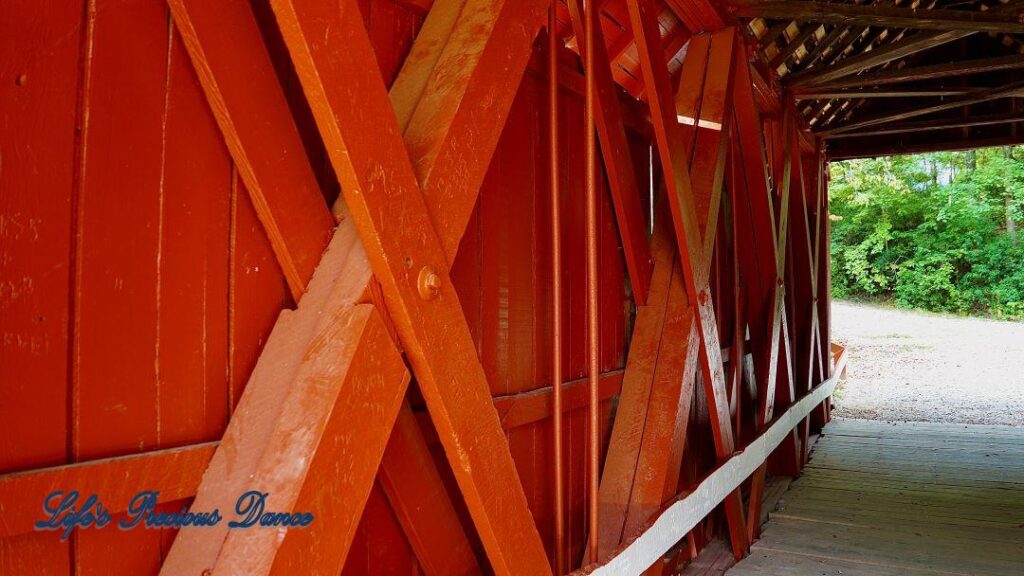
[(681, 517)]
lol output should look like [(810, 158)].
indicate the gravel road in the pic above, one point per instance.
[(926, 367)]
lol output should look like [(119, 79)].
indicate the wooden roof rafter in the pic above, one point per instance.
[(906, 63), (909, 45), (807, 33), (1011, 90), (930, 72), (944, 123), (878, 15)]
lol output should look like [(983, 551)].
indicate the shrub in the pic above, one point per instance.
[(931, 231)]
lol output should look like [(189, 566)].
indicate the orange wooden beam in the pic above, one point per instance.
[(408, 257), (214, 48), (617, 161), (671, 400), (472, 86), (420, 502), (702, 101), (418, 67), (173, 472), (312, 461), (672, 150), (620, 466), (305, 367), (526, 408), (244, 93), (765, 264)]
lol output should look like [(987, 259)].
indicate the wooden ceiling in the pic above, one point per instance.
[(871, 77), (884, 77)]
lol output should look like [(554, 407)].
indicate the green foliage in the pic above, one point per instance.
[(932, 231)]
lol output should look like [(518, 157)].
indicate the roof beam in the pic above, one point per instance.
[(1010, 90), (910, 74), (938, 124), (900, 148), (907, 46), (697, 15), (882, 16), (793, 46), (824, 94), (827, 42)]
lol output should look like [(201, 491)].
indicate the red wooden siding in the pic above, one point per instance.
[(137, 286)]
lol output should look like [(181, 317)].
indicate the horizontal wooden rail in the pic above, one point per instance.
[(676, 521), (173, 472), (517, 410)]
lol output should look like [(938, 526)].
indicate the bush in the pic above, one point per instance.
[(931, 231)]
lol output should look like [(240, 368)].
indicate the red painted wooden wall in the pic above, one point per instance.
[(137, 286)]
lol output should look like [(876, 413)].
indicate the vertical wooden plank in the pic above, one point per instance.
[(38, 80), (617, 161), (116, 394), (615, 304), (39, 76), (392, 28), (192, 283), (257, 290), (119, 212), (507, 252), (244, 92), (825, 265), (380, 546)]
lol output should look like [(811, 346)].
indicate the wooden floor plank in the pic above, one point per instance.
[(916, 499)]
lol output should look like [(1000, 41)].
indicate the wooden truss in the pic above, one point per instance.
[(948, 60), (728, 288)]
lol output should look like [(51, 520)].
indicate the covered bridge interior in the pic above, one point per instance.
[(487, 286)]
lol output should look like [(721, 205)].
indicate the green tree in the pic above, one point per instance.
[(936, 231)]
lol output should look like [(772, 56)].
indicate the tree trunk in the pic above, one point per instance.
[(1011, 224)]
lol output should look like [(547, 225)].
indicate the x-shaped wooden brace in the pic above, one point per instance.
[(692, 238), (807, 260), (764, 263), (803, 274), (645, 452), (367, 150)]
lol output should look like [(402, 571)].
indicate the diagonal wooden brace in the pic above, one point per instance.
[(408, 258), (306, 366), (215, 48), (617, 161), (643, 16)]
